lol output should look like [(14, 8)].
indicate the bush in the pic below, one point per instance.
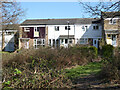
[(111, 69), (43, 67), (94, 51), (107, 51)]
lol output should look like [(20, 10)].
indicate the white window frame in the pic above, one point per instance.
[(26, 29), (70, 41), (36, 30), (50, 42), (85, 28), (83, 41), (57, 28), (95, 27), (112, 21), (36, 44)]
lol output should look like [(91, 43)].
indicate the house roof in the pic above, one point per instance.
[(10, 27), (110, 14), (59, 21)]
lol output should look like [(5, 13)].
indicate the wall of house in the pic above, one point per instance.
[(30, 34), (108, 26), (49, 32), (52, 34), (75, 30), (46, 36), (89, 33)]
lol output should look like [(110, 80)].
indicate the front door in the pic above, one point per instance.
[(114, 40), (95, 43), (26, 45), (66, 43)]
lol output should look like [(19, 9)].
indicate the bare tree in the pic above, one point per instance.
[(94, 10), (11, 12), (100, 10)]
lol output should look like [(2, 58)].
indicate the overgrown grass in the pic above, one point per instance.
[(80, 71)]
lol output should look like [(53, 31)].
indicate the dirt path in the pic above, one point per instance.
[(92, 82)]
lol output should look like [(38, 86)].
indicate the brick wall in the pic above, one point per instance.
[(46, 36), (108, 26)]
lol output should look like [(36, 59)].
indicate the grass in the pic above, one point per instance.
[(80, 71), (4, 52)]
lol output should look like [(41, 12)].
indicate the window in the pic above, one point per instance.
[(53, 42), (50, 42), (26, 29), (66, 41), (43, 41), (38, 43), (112, 21), (109, 35), (85, 28), (96, 27), (56, 28), (70, 41), (83, 41), (36, 32), (67, 27), (95, 42), (61, 40)]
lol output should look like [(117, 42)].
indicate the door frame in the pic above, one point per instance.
[(95, 42)]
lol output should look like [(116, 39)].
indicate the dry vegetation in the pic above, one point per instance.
[(43, 67)]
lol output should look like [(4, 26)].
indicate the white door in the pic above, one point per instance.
[(65, 43), (114, 43), (95, 43), (26, 45)]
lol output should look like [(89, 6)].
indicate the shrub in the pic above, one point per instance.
[(107, 51), (94, 51), (111, 69), (43, 67)]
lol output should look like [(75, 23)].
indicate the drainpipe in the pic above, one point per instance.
[(68, 33)]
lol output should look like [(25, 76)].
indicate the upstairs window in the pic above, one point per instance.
[(26, 29), (67, 27), (112, 21), (36, 32), (96, 27), (85, 28), (56, 28)]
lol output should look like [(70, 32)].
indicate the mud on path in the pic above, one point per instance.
[(92, 82)]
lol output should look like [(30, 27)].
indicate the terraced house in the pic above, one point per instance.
[(9, 38), (60, 32), (112, 27)]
